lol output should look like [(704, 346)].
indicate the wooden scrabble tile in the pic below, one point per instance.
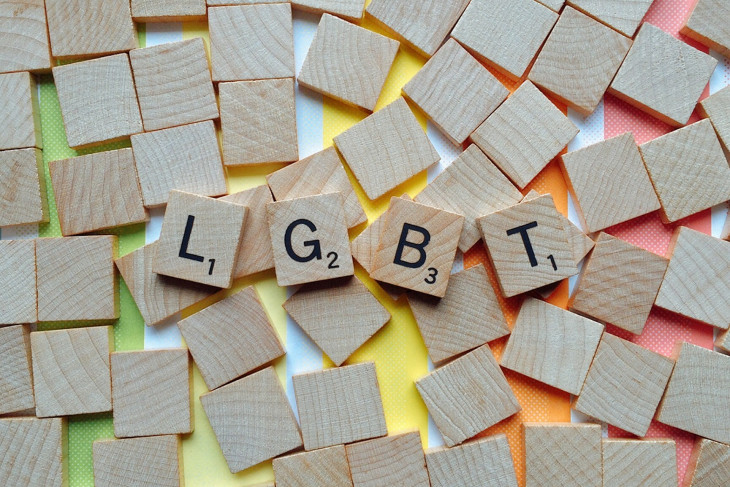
[(24, 42), (97, 191), (186, 158), (19, 109), (624, 385), (468, 316), (326, 467), (562, 455), (579, 60), (552, 345), (417, 247), (22, 187), (639, 463), (528, 245), (354, 409), (318, 174), (259, 122), (391, 460), (524, 134), (705, 25), (716, 107), (98, 101), (318, 309), (486, 462), (351, 10), (18, 301), (467, 396), (578, 241), (173, 83), (619, 284), (155, 460), (251, 42), (16, 376), (167, 10), (610, 182), (365, 245), (309, 238), (624, 15), (723, 341), (252, 420), (33, 452), (76, 278), (151, 392), (338, 43), (709, 465)]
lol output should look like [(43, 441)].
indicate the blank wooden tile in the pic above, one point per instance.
[(467, 396), (338, 43), (705, 25), (151, 392), (155, 460), (168, 10), (251, 42), (610, 182), (716, 107), (259, 122), (619, 284), (24, 42), (709, 465), (98, 101), (365, 245), (635, 463), (562, 455), (252, 420), (578, 241), (340, 405), (723, 341), (32, 452), (23, 189), (579, 60), (16, 376), (231, 338), (326, 467), (486, 462), (186, 158), (351, 10), (97, 191), (524, 134), (19, 109), (623, 15), (18, 301), (391, 460), (624, 385)]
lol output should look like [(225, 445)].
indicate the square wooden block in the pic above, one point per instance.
[(168, 10), (716, 107), (97, 192), (340, 405), (706, 26), (24, 33), (351, 10), (16, 376), (391, 460), (579, 60), (623, 15), (151, 392), (22, 187), (709, 465), (366, 244), (259, 122), (19, 109), (252, 420), (338, 43), (637, 463), (98, 100), (326, 467), (156, 460), (486, 462), (18, 300), (619, 284), (610, 182), (186, 158), (33, 452), (624, 385), (251, 42), (467, 396)]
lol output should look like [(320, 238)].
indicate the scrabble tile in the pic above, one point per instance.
[(552, 345), (467, 396), (18, 301), (97, 191), (259, 122), (32, 452), (24, 42), (567, 66), (318, 309), (22, 188), (610, 182), (16, 376), (417, 247), (723, 341), (76, 278), (151, 392), (716, 107), (319, 173), (98, 101), (709, 465), (71, 372), (354, 409), (156, 460), (252, 420), (391, 460), (326, 467), (528, 245), (338, 43), (468, 316), (486, 462), (365, 245), (635, 463), (351, 10), (251, 42), (200, 239), (185, 158), (173, 83), (562, 455), (624, 385), (231, 338), (524, 134), (309, 238), (705, 25), (579, 242), (168, 10), (19, 110), (623, 15), (619, 284)]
